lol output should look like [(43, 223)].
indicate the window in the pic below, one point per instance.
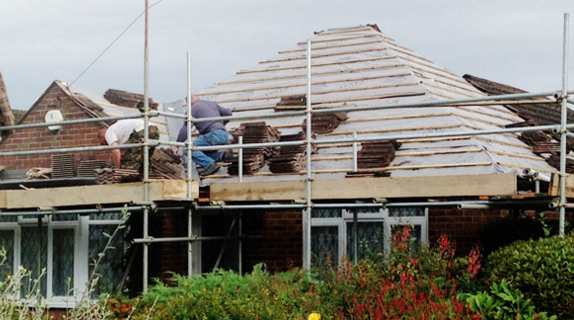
[(63, 246), (361, 233), (111, 266)]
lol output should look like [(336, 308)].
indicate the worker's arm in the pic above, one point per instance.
[(116, 156), (224, 112)]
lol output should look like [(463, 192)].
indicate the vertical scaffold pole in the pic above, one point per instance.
[(146, 150), (307, 215), (189, 170), (563, 132)]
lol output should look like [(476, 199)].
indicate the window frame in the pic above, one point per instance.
[(348, 216), (81, 265)]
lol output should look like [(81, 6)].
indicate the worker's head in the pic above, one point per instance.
[(102, 136), (194, 99)]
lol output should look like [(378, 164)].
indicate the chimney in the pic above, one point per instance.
[(6, 114)]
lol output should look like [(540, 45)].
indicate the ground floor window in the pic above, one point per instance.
[(361, 233), (63, 248)]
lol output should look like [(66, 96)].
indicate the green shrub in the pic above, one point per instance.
[(504, 303), (543, 270), (227, 295)]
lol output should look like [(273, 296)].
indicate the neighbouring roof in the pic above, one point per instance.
[(542, 113), (360, 66), (6, 113)]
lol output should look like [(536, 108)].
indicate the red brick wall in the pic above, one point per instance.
[(173, 255), (460, 225), (281, 244), (77, 135)]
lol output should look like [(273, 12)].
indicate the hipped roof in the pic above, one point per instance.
[(360, 66)]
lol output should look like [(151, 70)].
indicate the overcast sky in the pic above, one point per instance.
[(514, 42)]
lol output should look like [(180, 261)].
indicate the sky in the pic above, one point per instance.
[(519, 43)]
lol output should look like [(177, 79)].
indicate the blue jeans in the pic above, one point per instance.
[(213, 138)]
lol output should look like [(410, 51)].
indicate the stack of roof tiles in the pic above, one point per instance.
[(127, 99), (111, 175), (254, 158), (166, 165), (325, 122), (62, 165), (292, 102), (377, 154), (554, 160), (290, 158), (87, 168)]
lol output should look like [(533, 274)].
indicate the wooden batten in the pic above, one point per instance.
[(366, 188), (93, 195), (315, 65), (317, 56), (355, 44)]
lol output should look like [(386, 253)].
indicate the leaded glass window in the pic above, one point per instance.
[(34, 250), (65, 217), (106, 216), (370, 240), (7, 244), (326, 213), (111, 267), (324, 246), (407, 212), (63, 262), (4, 218)]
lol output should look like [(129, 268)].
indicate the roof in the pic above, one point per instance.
[(360, 66), (543, 113), (6, 114), (126, 104)]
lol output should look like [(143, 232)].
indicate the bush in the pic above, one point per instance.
[(504, 303), (227, 295), (543, 270), (408, 283)]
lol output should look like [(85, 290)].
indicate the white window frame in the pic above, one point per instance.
[(81, 228), (347, 215)]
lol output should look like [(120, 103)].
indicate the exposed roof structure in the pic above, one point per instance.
[(360, 66), (125, 104)]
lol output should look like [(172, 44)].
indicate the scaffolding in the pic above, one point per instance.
[(191, 205)]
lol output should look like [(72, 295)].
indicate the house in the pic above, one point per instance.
[(67, 244), (402, 149), (361, 67)]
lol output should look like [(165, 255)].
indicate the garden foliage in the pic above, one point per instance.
[(419, 284), (542, 270)]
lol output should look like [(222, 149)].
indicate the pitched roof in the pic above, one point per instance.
[(6, 114), (543, 113), (360, 66)]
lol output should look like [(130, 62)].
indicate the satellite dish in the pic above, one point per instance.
[(54, 116)]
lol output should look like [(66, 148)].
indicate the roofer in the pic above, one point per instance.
[(211, 133), (127, 131)]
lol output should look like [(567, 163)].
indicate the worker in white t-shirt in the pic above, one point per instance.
[(122, 132)]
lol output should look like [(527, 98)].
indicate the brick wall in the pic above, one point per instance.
[(281, 244), (173, 255), (77, 135), (460, 225)]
